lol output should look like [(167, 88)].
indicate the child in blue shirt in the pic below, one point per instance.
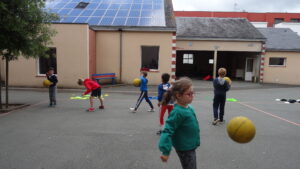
[(144, 94), (162, 88)]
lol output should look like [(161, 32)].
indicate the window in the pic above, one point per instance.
[(278, 20), (150, 57), (277, 61), (82, 5), (44, 63), (188, 59), (295, 20)]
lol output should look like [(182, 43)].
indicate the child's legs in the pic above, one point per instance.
[(222, 107), (91, 101), (54, 95), (99, 94), (51, 94), (216, 107), (188, 159), (147, 99), (139, 101), (162, 114), (101, 101)]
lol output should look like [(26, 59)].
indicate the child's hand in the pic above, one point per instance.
[(164, 158)]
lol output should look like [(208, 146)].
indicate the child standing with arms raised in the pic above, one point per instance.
[(182, 129), (162, 88), (221, 86)]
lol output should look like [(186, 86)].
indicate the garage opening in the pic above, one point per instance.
[(198, 64)]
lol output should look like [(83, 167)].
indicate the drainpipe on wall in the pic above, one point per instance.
[(215, 61), (121, 54)]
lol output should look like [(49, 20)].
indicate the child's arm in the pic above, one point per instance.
[(88, 88), (159, 97), (227, 86), (165, 142)]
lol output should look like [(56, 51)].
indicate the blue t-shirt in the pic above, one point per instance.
[(144, 82), (162, 88)]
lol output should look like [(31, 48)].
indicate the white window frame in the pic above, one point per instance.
[(188, 59), (284, 63)]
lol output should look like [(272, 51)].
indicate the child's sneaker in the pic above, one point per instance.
[(151, 110), (91, 109), (222, 121), (101, 107), (215, 122), (132, 110)]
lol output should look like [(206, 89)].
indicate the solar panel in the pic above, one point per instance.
[(109, 12)]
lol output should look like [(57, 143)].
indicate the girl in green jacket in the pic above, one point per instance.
[(181, 129)]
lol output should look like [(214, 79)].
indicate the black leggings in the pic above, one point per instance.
[(144, 94)]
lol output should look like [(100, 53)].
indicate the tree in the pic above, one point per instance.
[(24, 31)]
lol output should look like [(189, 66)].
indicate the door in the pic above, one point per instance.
[(249, 69)]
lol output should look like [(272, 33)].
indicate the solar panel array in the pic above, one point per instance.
[(110, 12)]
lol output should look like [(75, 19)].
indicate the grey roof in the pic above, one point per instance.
[(202, 28), (281, 39), (169, 17)]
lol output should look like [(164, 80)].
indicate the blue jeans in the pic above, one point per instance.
[(219, 106)]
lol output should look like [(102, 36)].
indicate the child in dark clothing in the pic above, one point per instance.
[(52, 88), (162, 88), (221, 86)]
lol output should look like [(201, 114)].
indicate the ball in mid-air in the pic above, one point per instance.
[(241, 129)]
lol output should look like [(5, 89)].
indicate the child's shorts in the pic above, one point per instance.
[(96, 92)]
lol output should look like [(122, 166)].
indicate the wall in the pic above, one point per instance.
[(92, 52), (223, 45), (260, 24), (71, 44), (108, 53), (288, 74)]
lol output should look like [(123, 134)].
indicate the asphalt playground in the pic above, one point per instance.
[(68, 137)]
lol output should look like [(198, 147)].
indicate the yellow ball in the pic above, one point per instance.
[(46, 83), (228, 79), (241, 129), (137, 82)]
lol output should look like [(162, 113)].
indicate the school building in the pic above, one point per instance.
[(127, 36)]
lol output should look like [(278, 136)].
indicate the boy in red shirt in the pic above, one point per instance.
[(95, 88)]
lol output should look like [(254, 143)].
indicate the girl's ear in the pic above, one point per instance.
[(178, 95)]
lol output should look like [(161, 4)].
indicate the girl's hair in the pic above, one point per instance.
[(80, 82), (178, 87)]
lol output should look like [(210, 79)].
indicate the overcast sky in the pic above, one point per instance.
[(238, 5)]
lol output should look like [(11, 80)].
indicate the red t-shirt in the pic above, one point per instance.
[(90, 85)]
